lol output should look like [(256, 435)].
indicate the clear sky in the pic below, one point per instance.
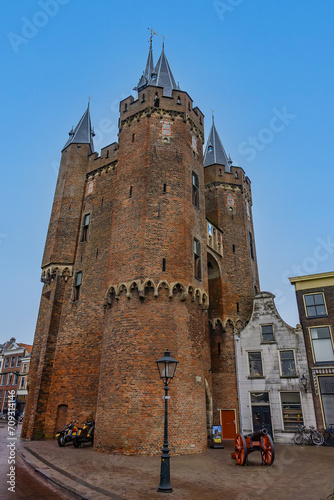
[(265, 67)]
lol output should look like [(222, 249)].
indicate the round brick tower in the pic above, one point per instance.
[(157, 273)]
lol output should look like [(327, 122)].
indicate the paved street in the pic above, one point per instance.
[(28, 484), (299, 473)]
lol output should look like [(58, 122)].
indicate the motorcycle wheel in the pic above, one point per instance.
[(61, 441), (298, 438), (317, 438), (76, 443)]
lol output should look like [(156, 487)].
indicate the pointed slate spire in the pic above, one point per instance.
[(163, 76), (83, 132), (146, 76), (215, 152)]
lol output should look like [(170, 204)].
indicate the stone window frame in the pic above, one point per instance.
[(18, 361), (311, 342), (261, 332), (12, 362), (280, 364), (324, 303), (255, 351), (3, 379), (6, 364)]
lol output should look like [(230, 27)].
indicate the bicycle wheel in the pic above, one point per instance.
[(298, 438), (317, 438)]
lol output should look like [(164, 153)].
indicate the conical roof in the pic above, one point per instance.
[(146, 76), (163, 76), (83, 132), (215, 152), (159, 76)]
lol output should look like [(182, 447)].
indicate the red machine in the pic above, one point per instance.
[(256, 441)]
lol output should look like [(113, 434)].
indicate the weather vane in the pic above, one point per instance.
[(152, 33)]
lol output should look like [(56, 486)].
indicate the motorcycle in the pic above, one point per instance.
[(67, 434), (85, 435)]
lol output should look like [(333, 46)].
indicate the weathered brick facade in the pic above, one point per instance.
[(321, 364), (98, 337)]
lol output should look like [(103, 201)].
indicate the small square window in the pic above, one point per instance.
[(166, 128), (315, 305), (267, 333), (230, 200)]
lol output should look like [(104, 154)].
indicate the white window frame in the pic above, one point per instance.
[(263, 372), (311, 340), (280, 365)]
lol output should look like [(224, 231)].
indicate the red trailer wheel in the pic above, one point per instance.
[(267, 451), (240, 449)]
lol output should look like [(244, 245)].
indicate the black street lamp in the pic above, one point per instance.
[(303, 380), (166, 367)]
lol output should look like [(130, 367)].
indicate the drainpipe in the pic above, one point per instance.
[(237, 357)]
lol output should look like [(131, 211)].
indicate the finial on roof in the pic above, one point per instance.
[(163, 43), (89, 98), (230, 160), (213, 116)]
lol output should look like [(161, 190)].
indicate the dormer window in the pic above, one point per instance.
[(210, 149), (154, 77)]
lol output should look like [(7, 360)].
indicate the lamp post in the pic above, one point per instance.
[(166, 367), (303, 380)]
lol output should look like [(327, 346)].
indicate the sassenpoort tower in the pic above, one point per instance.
[(129, 263)]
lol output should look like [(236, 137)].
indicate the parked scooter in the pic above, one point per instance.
[(85, 435), (67, 434)]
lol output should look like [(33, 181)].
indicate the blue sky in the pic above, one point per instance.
[(265, 67)]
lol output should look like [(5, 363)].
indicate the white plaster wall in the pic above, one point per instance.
[(286, 337)]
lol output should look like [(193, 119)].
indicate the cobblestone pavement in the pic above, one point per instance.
[(299, 472)]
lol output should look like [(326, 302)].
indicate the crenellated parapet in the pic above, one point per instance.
[(141, 289), (50, 272)]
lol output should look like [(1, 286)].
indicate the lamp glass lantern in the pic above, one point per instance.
[(167, 366)]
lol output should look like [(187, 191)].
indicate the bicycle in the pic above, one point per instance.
[(329, 435), (309, 435)]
